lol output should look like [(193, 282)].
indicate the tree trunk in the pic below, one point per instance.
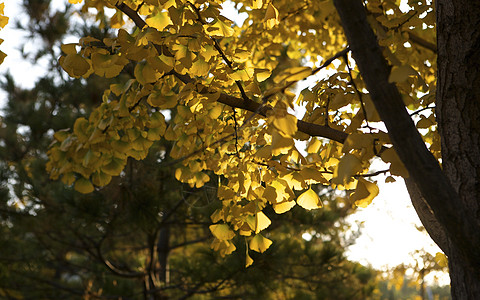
[(448, 199), (464, 279), (458, 116)]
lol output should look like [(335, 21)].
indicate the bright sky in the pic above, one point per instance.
[(389, 232)]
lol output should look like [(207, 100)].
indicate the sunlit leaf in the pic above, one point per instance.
[(159, 20), (262, 222), (309, 200), (222, 231), (248, 260), (286, 124), (271, 16), (260, 243), (220, 29)]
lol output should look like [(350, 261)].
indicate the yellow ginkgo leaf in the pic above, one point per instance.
[(261, 222), (441, 259), (286, 124), (309, 200), (248, 260), (283, 207), (83, 186), (101, 179), (159, 20), (348, 166), (222, 232), (314, 145), (262, 74), (260, 243), (2, 56), (364, 193), (281, 143), (220, 29), (199, 67), (271, 16), (312, 176), (223, 247), (339, 100), (69, 48), (389, 179), (74, 64), (114, 167), (257, 4), (400, 74), (396, 165)]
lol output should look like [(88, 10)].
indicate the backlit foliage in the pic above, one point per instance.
[(3, 22), (224, 92)]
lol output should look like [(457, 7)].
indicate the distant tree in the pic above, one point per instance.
[(407, 281)]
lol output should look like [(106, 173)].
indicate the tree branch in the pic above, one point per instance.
[(422, 42), (425, 213), (420, 163)]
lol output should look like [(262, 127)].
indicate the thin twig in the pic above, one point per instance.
[(360, 95), (292, 13), (420, 110), (235, 126)]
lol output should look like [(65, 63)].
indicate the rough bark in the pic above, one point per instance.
[(458, 116)]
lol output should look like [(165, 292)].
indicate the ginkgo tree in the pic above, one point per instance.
[(233, 89), (145, 235)]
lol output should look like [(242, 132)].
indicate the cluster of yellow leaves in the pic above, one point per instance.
[(254, 154), (98, 148), (3, 22)]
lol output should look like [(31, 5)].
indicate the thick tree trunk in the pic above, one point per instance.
[(464, 279), (458, 116)]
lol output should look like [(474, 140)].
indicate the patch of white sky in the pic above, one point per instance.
[(389, 225)]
